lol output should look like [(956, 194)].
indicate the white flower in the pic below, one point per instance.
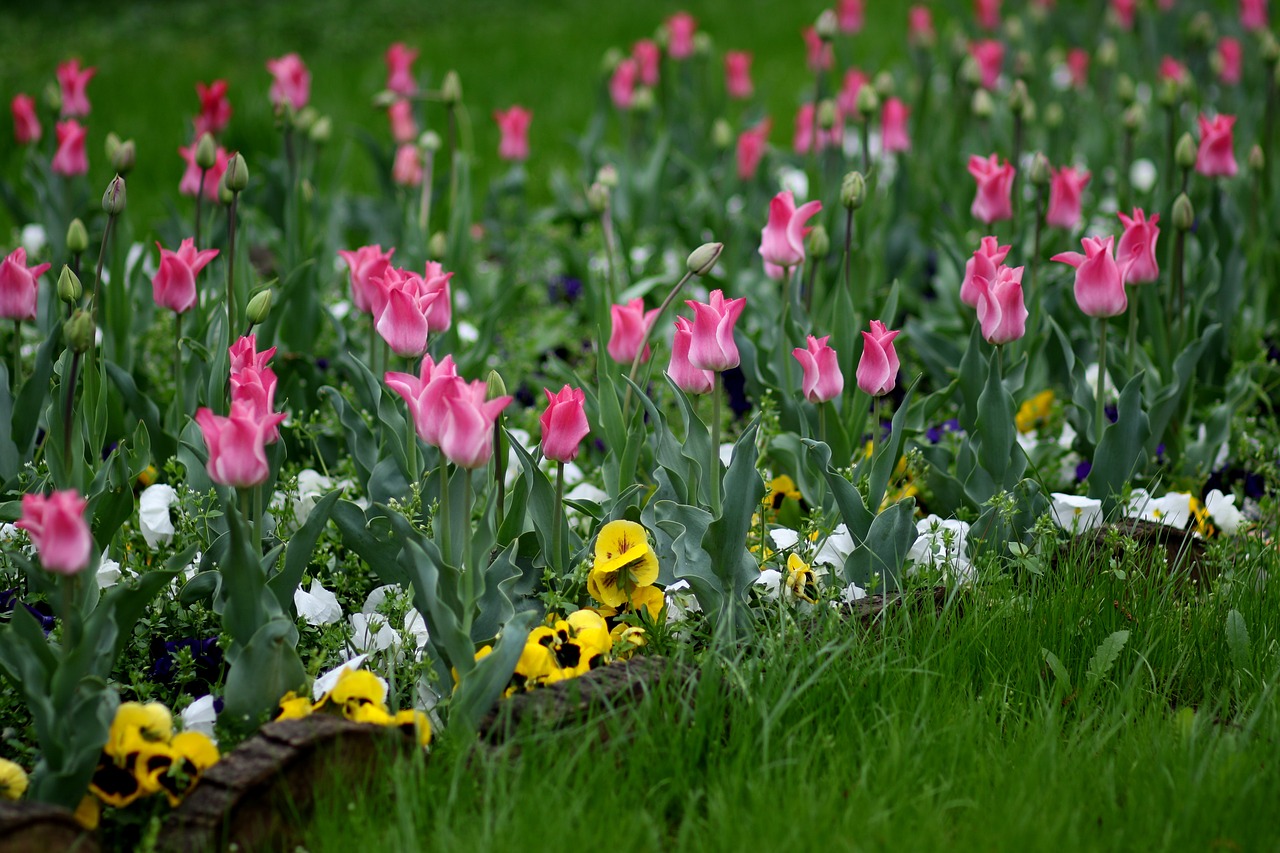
[(770, 581), (318, 605), (1091, 377), (415, 626), (326, 682), (794, 180), (340, 309), (587, 492), (836, 549), (1222, 508), (940, 543), (852, 593), (1173, 509), (1142, 175), (312, 486), (190, 571), (371, 633), (726, 454), (784, 538), (200, 716), (468, 333), (681, 601), (108, 573), (153, 514), (1075, 513), (33, 238), (378, 595)]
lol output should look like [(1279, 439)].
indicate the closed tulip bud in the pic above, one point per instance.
[(982, 105), (494, 385), (206, 152), (702, 43), (385, 99), (1041, 174), (1170, 93), (827, 25), (69, 288), (597, 197), (1126, 92), (1185, 152), (819, 244), (868, 102), (609, 62), (237, 175), (79, 331), (1019, 98), (321, 130), (1269, 47), (126, 157), (451, 89), (722, 135), (53, 97), (77, 237), (971, 71), (429, 141), (607, 176), (225, 196), (1053, 116), (114, 198), (642, 101), (1108, 53), (111, 145), (1201, 30), (1257, 160), (1013, 29), (259, 307), (1134, 118), (827, 114), (853, 190), (306, 118), (703, 259), (1184, 215), (437, 245), (884, 85)]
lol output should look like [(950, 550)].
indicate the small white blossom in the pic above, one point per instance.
[(153, 514), (1075, 513), (318, 606)]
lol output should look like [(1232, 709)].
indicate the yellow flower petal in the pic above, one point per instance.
[(13, 780)]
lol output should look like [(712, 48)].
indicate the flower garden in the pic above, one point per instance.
[(899, 471)]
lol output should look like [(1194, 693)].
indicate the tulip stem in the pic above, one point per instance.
[(180, 408), (246, 511), (71, 630), (411, 452), (1101, 395), (557, 534), (199, 199), (15, 356), (424, 200), (610, 250), (97, 276), (441, 522), (231, 269), (499, 474), (468, 570), (714, 471), (1131, 345), (68, 408), (635, 362)]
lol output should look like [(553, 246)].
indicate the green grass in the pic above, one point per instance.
[(933, 733), (547, 56)]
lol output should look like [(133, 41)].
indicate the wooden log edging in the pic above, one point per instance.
[(26, 827)]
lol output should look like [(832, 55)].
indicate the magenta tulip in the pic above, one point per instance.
[(402, 312), (680, 30), (215, 109), (1216, 156), (818, 54), (823, 380), (622, 83), (847, 98), (435, 285), (984, 263), (989, 54), (993, 201), (404, 127), (174, 284), (737, 74), (406, 168), (1136, 252), (70, 159), (237, 445), (878, 368), (514, 125), (690, 379), (1230, 60), (365, 265), (564, 424), (1099, 287), (19, 287), (1002, 314), (190, 183), (256, 390), (425, 394), (1253, 14), (849, 16), (631, 324), (893, 126), (1078, 66), (1066, 186), (58, 529), (73, 81), (920, 25), (292, 82), (244, 355), (466, 437), (782, 240), (712, 346), (1124, 11), (647, 55), (987, 13), (1172, 69), (804, 139), (751, 147), (400, 59), (26, 123)]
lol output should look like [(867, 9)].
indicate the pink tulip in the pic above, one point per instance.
[(822, 378), (244, 355), (818, 53), (564, 424), (803, 141), (647, 56), (1136, 252), (406, 170), (26, 123), (73, 80), (631, 324), (1099, 287), (690, 379), (920, 26), (989, 54), (988, 13), (292, 83), (751, 147), (19, 289), (1124, 11), (466, 437), (1066, 186), (983, 265), (237, 445), (514, 124), (256, 390), (995, 185), (435, 284), (58, 529), (737, 74), (850, 16), (1253, 14), (782, 240), (174, 284), (402, 312), (1216, 157), (1230, 60), (1002, 313), (425, 394), (712, 346), (1172, 69), (404, 127), (622, 84), (893, 126), (878, 368), (400, 59), (1078, 65), (680, 29), (847, 99), (190, 183), (70, 158), (215, 109), (364, 265)]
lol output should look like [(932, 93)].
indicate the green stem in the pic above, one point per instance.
[(468, 570), (714, 471), (15, 356), (443, 533), (557, 533), (257, 521), (97, 275), (246, 511), (68, 409), (231, 269), (424, 200), (1101, 410), (1179, 248), (1131, 345), (199, 200), (71, 628), (180, 408), (610, 251), (635, 362)]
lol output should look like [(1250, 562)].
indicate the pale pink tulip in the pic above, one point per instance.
[(893, 126), (690, 379), (984, 264), (402, 312), (514, 125), (400, 58), (1002, 314), (292, 82), (920, 26), (712, 346), (404, 127), (237, 445), (26, 123), (751, 148), (1253, 14), (564, 424), (878, 368), (737, 74), (190, 183), (847, 98), (680, 29), (1099, 287), (987, 13), (782, 239), (19, 287), (406, 170), (647, 55), (174, 284), (993, 201), (818, 54), (1136, 252), (1078, 65), (1230, 60), (1066, 186), (823, 380), (425, 394), (70, 159), (850, 16), (466, 437), (1216, 156), (622, 83), (435, 284), (365, 265), (989, 54), (631, 324), (59, 530), (244, 355), (73, 81)]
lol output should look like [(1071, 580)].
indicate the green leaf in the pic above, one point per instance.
[(884, 550), (1059, 671), (971, 374), (298, 554), (1105, 657), (994, 432), (541, 502), (266, 668), (481, 686), (10, 460), (1238, 640), (726, 538), (1122, 451)]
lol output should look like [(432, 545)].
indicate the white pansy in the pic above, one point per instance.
[(317, 605), (770, 581), (153, 514), (1091, 378), (940, 543), (415, 626), (312, 486), (190, 571), (1075, 513), (1142, 175), (1222, 509), (200, 716), (681, 601), (1173, 509), (340, 309), (108, 573), (587, 492), (33, 238), (794, 180), (378, 595), (836, 549), (371, 633), (784, 538), (468, 333), (726, 454), (852, 593), (326, 682)]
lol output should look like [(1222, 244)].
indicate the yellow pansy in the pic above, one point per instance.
[(357, 687), (627, 639), (624, 561), (13, 780), (148, 476), (151, 722), (376, 715), (1034, 412), (293, 707), (781, 488), (800, 580), (193, 753), (89, 812), (416, 722)]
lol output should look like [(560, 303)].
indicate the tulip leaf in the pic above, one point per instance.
[(679, 530), (541, 502), (298, 553), (360, 444), (971, 380), (883, 552), (849, 501), (888, 452), (10, 459), (726, 537), (484, 681), (1121, 453), (994, 432), (266, 668), (30, 402)]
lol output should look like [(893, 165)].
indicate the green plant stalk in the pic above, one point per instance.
[(424, 200), (231, 270), (1131, 344), (557, 535), (610, 251), (468, 570), (635, 362), (68, 408), (199, 200), (499, 474), (1179, 288), (1017, 167), (97, 275), (72, 629), (442, 523), (15, 356), (866, 145), (713, 470), (246, 510), (1126, 160), (1170, 164), (180, 408), (1101, 411)]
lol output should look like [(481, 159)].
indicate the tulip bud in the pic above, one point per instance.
[(259, 307), (225, 195), (69, 288), (385, 99), (1019, 98), (884, 85), (971, 72), (1013, 29), (982, 105), (437, 245), (114, 198), (827, 25), (53, 97), (703, 259), (430, 141), (1257, 160), (609, 62), (702, 43), (321, 130), (722, 135), (77, 237), (1185, 152), (494, 385), (1134, 117), (1108, 53), (642, 100), (80, 331), (451, 90), (827, 114), (305, 118), (1126, 92), (1040, 171), (607, 176), (853, 191), (111, 145), (1201, 29), (1269, 47), (818, 243), (237, 175), (126, 156), (1184, 215), (1053, 116), (206, 152), (597, 197), (1170, 92), (868, 103)]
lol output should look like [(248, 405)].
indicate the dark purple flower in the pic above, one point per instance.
[(1082, 470), (735, 386)]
